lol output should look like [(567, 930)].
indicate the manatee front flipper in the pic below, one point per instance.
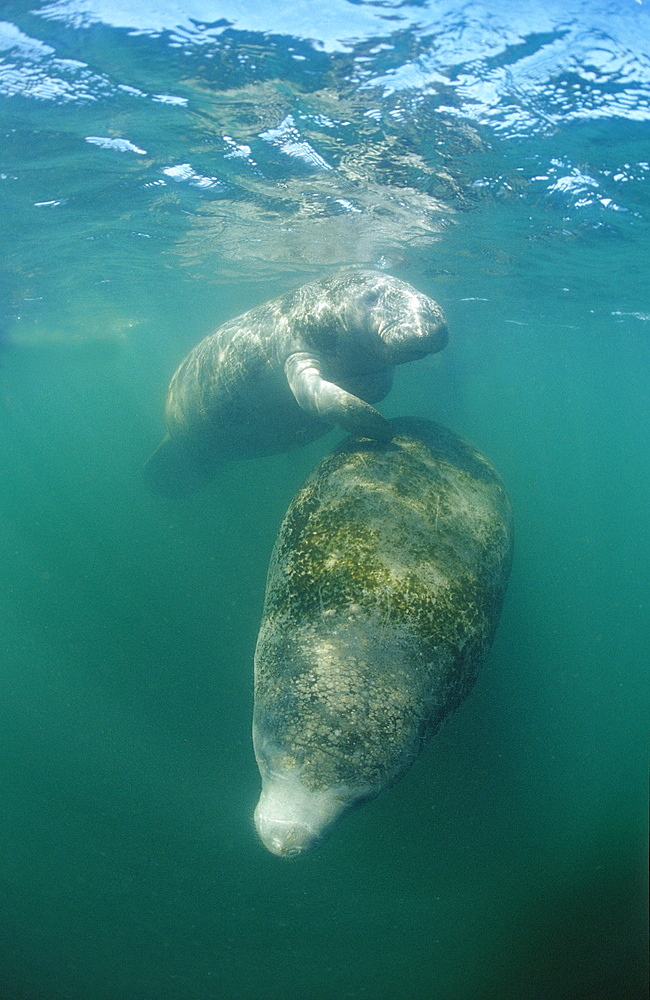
[(331, 403)]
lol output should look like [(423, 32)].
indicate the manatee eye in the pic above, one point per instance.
[(371, 297)]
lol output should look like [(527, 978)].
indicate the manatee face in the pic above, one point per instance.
[(405, 324), (292, 819)]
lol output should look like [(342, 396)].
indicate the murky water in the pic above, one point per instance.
[(161, 170)]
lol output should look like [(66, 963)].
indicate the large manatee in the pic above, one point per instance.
[(283, 373), (383, 596)]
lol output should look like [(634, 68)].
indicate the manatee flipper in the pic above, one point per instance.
[(331, 403), (175, 469)]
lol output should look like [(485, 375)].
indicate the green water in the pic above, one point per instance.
[(510, 862)]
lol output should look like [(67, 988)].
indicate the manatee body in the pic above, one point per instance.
[(282, 374), (383, 596)]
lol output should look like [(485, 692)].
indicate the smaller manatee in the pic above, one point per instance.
[(283, 373), (383, 595)]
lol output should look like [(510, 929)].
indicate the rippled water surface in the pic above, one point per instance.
[(164, 167)]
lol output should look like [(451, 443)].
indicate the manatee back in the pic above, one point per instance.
[(219, 374), (423, 509), (228, 399), (383, 596)]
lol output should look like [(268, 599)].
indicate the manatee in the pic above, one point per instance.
[(282, 374), (383, 596)]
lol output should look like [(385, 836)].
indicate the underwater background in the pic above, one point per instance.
[(165, 166)]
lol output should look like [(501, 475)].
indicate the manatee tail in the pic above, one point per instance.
[(176, 469)]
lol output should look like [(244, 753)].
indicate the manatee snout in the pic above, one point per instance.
[(291, 820), (294, 815), (420, 328)]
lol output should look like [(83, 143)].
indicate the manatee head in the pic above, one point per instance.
[(292, 819), (339, 716), (400, 324)]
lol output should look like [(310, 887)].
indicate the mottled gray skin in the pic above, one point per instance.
[(282, 374), (383, 596)]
